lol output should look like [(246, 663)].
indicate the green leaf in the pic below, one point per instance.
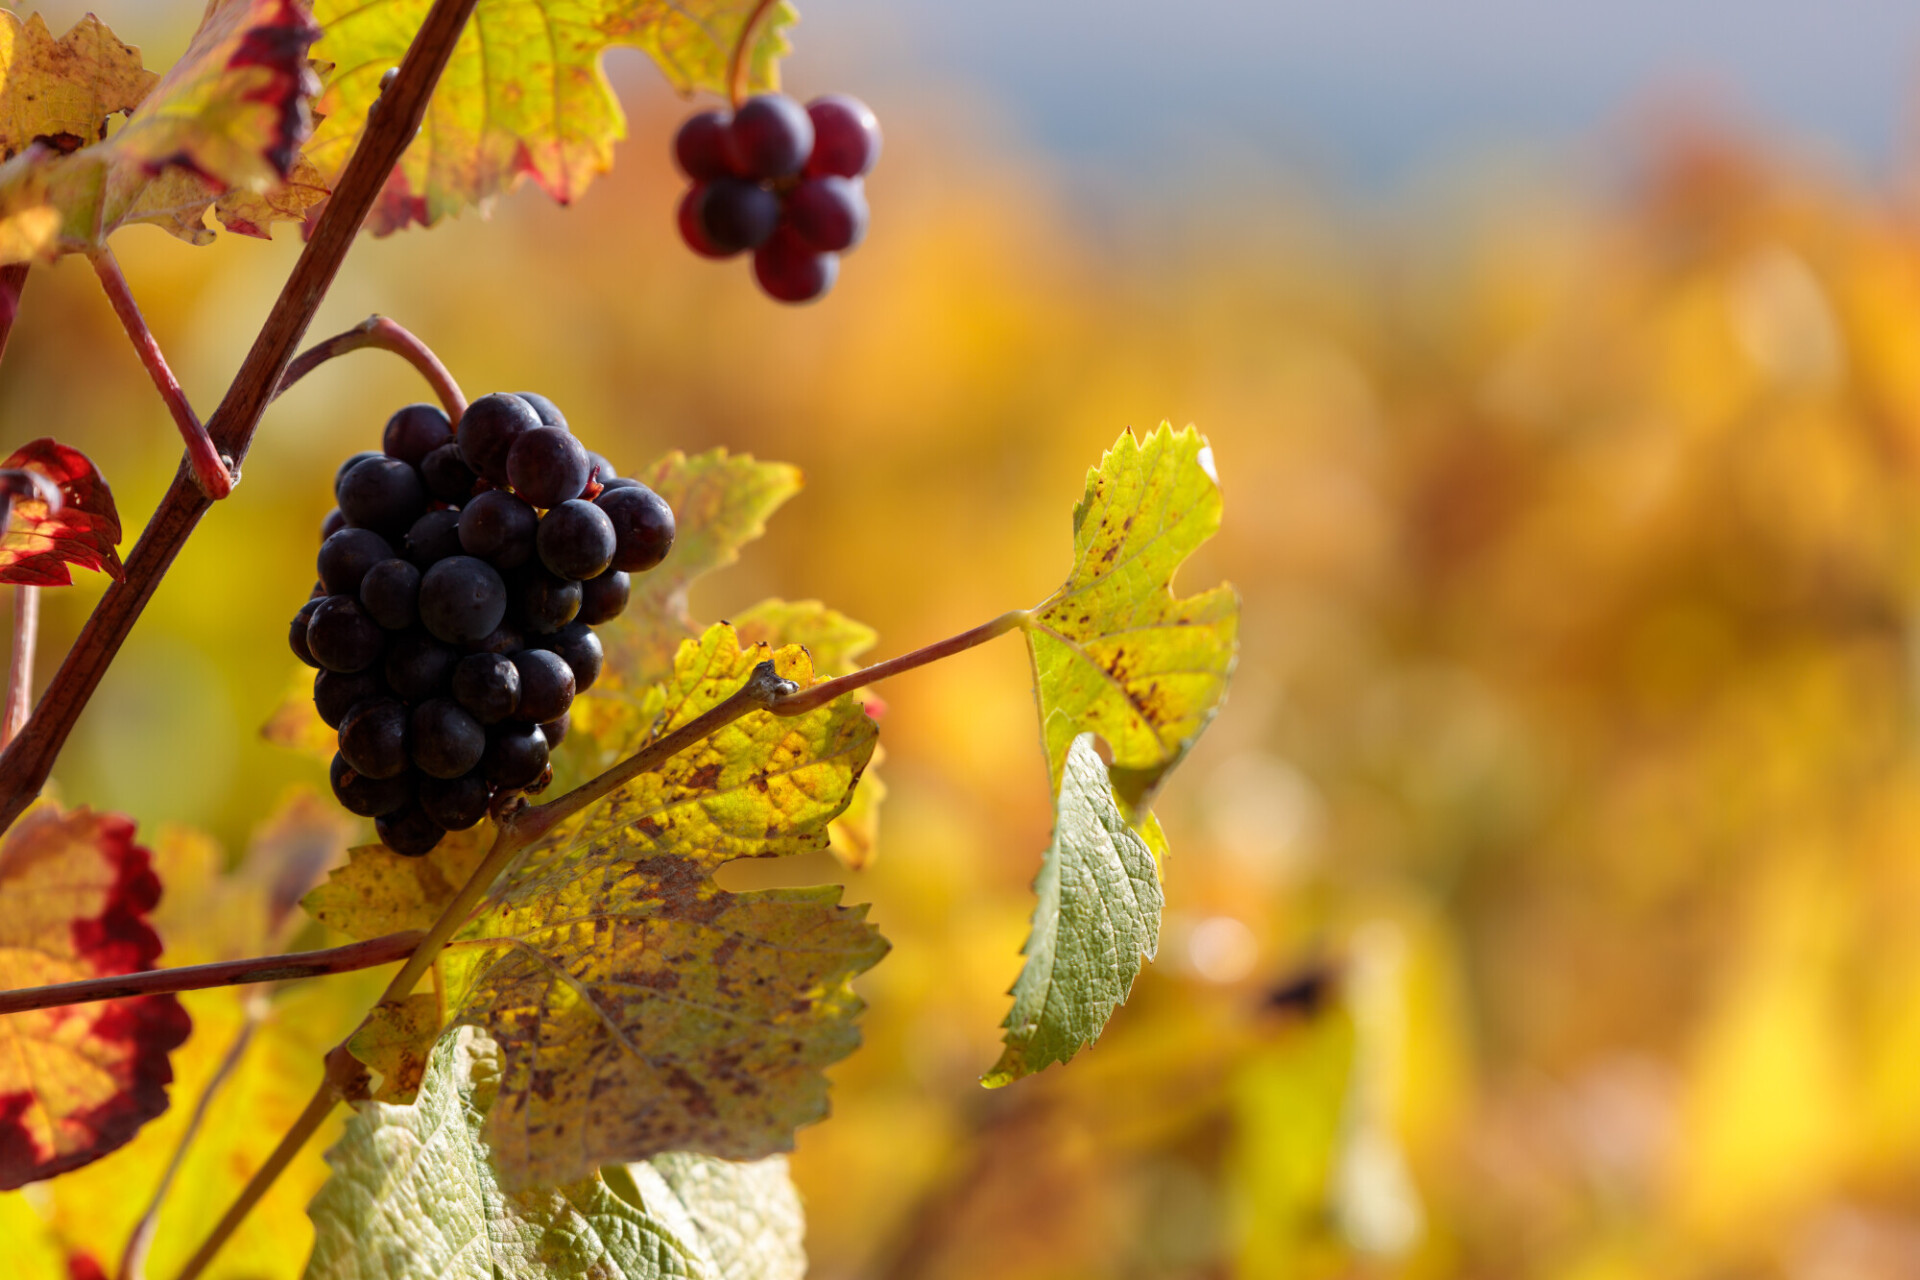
[(414, 1196), (1098, 914), (221, 129), (1114, 651), (523, 95)]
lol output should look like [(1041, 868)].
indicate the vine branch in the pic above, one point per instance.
[(826, 691), (390, 127), (381, 334), (13, 279)]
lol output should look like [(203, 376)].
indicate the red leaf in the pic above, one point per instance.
[(42, 539), (79, 1081)]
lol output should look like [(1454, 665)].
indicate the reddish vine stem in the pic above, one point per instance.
[(826, 691), (13, 279), (26, 634), (381, 334), (224, 973), (390, 127), (209, 469), (740, 62)]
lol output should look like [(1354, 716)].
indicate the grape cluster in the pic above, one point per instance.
[(782, 180), (461, 577)]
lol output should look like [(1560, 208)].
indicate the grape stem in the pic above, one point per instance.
[(826, 691), (382, 334), (740, 61), (345, 1077), (209, 469), (26, 633), (391, 125)]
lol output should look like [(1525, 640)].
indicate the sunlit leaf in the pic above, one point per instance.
[(397, 1044), (414, 1196), (379, 892), (523, 95), (62, 92), (1097, 916), (41, 539), (79, 1081), (1114, 651)]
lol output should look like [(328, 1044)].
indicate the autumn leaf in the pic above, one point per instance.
[(414, 1196), (1097, 916), (380, 892), (42, 538), (79, 1081), (523, 95), (222, 129), (1114, 651), (62, 92)]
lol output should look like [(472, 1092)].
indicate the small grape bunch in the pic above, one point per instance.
[(782, 180), (461, 577)]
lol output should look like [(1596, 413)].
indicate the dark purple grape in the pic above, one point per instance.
[(604, 598), (368, 797), (446, 741), (409, 832), (488, 686), (516, 755), (643, 526), (414, 432), (735, 214), (828, 213), (602, 469), (577, 646), (434, 537), (418, 666), (555, 731), (373, 737), (546, 410), (383, 494), (791, 270), (297, 632), (455, 803), (700, 148), (390, 593), (447, 475), (576, 539), (618, 482), (462, 599), (337, 692), (345, 558), (770, 137), (499, 528), (365, 455), (546, 684), (547, 466), (507, 638), (319, 591), (846, 136), (487, 431), (334, 522), (687, 216), (341, 637), (545, 603)]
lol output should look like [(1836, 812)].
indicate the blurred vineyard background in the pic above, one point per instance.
[(1546, 901)]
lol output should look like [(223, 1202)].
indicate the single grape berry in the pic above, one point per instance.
[(692, 232), (345, 558), (499, 528), (446, 741), (434, 537), (547, 466), (365, 455), (454, 803), (792, 270), (770, 137), (547, 411), (462, 599), (618, 482), (297, 632), (414, 432), (604, 598), (383, 494), (576, 539), (516, 755), (408, 831), (828, 213), (390, 593), (368, 797), (555, 731), (488, 429), (546, 684), (735, 214), (643, 526), (447, 475), (341, 637), (578, 647), (602, 469), (700, 148), (373, 737), (488, 686), (334, 522), (846, 137), (337, 692), (545, 603), (418, 666)]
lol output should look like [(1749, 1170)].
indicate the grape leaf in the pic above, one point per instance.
[(223, 128), (414, 1197), (378, 891), (40, 540), (77, 1082), (1113, 650), (523, 95), (1098, 914), (63, 91)]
